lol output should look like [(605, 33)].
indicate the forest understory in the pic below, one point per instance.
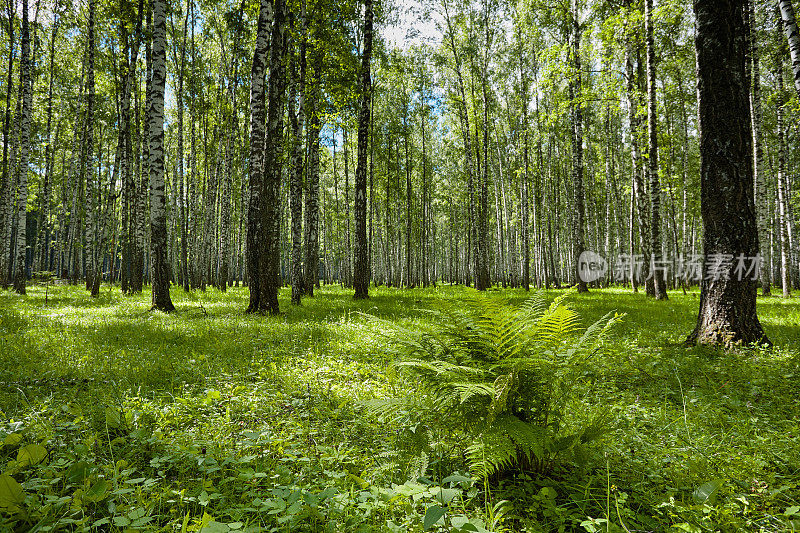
[(116, 418)]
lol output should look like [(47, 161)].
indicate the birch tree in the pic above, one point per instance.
[(727, 312), (361, 251), (155, 118)]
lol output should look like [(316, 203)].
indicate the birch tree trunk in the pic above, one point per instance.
[(155, 119), (466, 136), (26, 96), (269, 262), (727, 312), (44, 226), (6, 180), (783, 218), (297, 121), (793, 37), (759, 174), (256, 164), (637, 181), (88, 166), (659, 283), (311, 213), (578, 222)]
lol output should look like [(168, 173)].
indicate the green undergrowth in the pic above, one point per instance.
[(115, 418)]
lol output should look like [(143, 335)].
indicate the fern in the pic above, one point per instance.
[(499, 375)]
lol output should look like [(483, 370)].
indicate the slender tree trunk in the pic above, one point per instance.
[(155, 119), (296, 106), (578, 245), (783, 215), (525, 179), (92, 192), (727, 312), (311, 213), (636, 166), (659, 283), (180, 63), (26, 96), (44, 227), (466, 135), (7, 178), (759, 176)]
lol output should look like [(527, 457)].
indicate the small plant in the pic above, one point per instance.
[(499, 375), (45, 277)]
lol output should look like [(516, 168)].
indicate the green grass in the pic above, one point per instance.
[(211, 418)]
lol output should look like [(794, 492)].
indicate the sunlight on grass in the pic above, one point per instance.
[(209, 385)]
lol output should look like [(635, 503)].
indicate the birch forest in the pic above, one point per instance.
[(399, 265)]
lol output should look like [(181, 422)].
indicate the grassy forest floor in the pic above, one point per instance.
[(117, 418)]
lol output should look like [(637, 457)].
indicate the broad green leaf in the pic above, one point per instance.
[(12, 439), (32, 454), (77, 472), (707, 491), (457, 478), (97, 491), (215, 527), (10, 491), (433, 515), (445, 496), (112, 417)]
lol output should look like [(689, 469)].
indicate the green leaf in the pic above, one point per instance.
[(445, 496), (10, 491), (689, 528), (457, 478), (112, 417), (706, 492), (77, 472), (12, 439), (97, 491), (215, 527), (32, 454), (791, 511), (433, 515)]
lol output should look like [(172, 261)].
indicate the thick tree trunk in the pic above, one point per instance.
[(155, 119), (269, 260), (362, 258), (727, 312), (256, 164), (659, 283)]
